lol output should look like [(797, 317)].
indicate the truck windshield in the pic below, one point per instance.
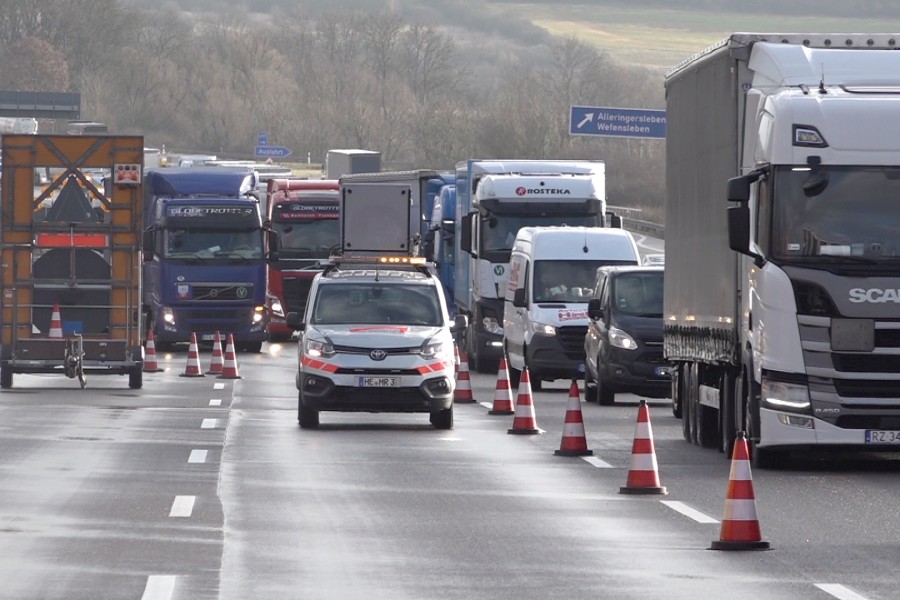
[(213, 244), (307, 239), (499, 231), (846, 213), (377, 304), (565, 280)]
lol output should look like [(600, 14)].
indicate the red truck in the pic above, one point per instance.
[(303, 213)]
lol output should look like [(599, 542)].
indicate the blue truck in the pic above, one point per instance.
[(204, 264)]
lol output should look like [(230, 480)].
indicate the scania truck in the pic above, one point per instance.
[(494, 199), (782, 259)]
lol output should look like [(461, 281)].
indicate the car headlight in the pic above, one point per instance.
[(780, 395), (544, 329), (620, 339), (440, 350), (168, 316), (319, 348)]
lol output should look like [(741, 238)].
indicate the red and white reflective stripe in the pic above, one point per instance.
[(318, 365), (71, 240), (435, 367)]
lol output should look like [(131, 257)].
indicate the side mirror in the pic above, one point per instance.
[(294, 320), (465, 236), (615, 220), (739, 228), (460, 323), (595, 309), (147, 243), (519, 298)]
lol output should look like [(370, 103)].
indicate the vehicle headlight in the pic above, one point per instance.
[(259, 313), (780, 395), (168, 316), (319, 348), (440, 350), (544, 329), (620, 339), (276, 307)]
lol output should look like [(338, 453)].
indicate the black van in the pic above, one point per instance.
[(624, 343)]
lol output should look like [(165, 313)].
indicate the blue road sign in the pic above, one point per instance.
[(272, 152), (263, 139), (617, 122)]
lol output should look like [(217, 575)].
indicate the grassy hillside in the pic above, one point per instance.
[(660, 38)]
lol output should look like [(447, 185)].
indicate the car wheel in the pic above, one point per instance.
[(308, 418), (442, 419)]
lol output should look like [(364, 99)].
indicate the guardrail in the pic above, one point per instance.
[(632, 222)]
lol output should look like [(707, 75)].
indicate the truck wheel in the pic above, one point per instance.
[(308, 418), (442, 419), (6, 377), (136, 377), (687, 421)]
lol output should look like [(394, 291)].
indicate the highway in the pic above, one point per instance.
[(205, 488)]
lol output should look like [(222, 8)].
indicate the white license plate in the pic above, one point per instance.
[(208, 337), (379, 381), (874, 436)]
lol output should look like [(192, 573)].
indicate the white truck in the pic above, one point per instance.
[(781, 308), (494, 199)]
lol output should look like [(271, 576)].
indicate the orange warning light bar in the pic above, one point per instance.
[(71, 240)]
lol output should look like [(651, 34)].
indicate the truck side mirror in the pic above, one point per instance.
[(595, 309), (272, 243), (615, 220), (519, 298), (739, 228), (147, 243), (465, 236)]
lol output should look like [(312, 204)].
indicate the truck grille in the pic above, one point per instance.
[(218, 292)]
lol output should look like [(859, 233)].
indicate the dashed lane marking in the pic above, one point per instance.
[(215, 402), (183, 506), (597, 462), (688, 511), (840, 592), (197, 456), (208, 424), (159, 587)]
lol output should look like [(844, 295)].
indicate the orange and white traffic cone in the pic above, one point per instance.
[(192, 369), (150, 364), (230, 370), (525, 420), (740, 527), (503, 404), (463, 393), (643, 477), (56, 331), (216, 363), (574, 441)]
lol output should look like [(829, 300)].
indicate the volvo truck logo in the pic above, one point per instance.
[(241, 292), (874, 295), (377, 354)]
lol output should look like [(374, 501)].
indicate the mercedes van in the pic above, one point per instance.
[(551, 277)]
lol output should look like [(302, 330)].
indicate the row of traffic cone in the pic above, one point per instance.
[(223, 366), (740, 525)]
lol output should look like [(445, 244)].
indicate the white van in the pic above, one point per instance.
[(551, 277)]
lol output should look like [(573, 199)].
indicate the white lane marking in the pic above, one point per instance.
[(183, 506), (208, 424), (197, 456), (219, 386), (159, 587), (688, 511), (839, 591), (597, 462), (215, 402), (487, 405)]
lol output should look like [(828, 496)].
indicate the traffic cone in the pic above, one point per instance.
[(150, 364), (216, 364), (230, 370), (643, 477), (574, 441), (56, 331), (463, 393), (192, 369), (502, 394), (524, 421), (740, 527)]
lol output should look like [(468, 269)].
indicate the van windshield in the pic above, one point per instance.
[(566, 280), (639, 294)]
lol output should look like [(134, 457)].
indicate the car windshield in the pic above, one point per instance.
[(377, 304), (639, 294), (565, 280)]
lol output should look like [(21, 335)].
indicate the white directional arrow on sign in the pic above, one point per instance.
[(588, 117)]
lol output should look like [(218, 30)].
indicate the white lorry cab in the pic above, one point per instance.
[(551, 277)]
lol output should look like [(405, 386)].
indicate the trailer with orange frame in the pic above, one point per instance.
[(70, 288)]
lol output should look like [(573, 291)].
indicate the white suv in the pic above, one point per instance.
[(376, 338)]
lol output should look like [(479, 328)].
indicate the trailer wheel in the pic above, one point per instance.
[(6, 377), (136, 377)]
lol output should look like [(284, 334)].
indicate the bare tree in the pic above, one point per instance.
[(32, 64)]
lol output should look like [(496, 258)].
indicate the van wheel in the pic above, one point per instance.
[(590, 387), (442, 419), (605, 395), (308, 418)]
